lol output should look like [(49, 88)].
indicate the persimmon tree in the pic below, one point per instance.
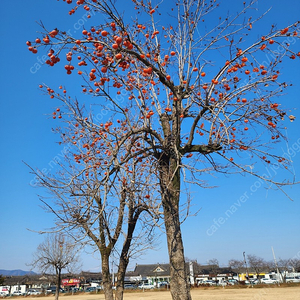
[(198, 98), (115, 214)]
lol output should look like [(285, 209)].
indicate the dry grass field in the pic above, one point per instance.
[(257, 293)]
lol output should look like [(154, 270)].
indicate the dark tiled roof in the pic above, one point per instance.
[(152, 270), (90, 276), (209, 269), (29, 279)]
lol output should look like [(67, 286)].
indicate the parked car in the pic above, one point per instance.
[(268, 281), (210, 282), (204, 282), (130, 287), (232, 281), (228, 282), (17, 293), (162, 284), (90, 289), (146, 286), (199, 282), (33, 292), (254, 281), (52, 289), (292, 279), (3, 294)]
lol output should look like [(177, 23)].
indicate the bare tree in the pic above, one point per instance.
[(55, 254), (294, 264), (198, 99), (214, 267), (256, 264), (285, 266), (213, 262), (116, 214), (236, 265)]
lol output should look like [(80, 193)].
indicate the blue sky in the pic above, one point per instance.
[(239, 215)]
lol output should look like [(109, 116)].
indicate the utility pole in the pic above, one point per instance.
[(245, 262), (279, 274), (192, 278)]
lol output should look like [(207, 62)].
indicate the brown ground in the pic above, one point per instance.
[(263, 293)]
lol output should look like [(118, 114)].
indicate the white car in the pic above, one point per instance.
[(17, 293), (33, 292), (232, 281), (3, 294), (210, 282), (252, 281), (292, 279), (268, 281), (146, 286)]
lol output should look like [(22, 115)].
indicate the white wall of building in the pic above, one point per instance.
[(17, 287), (5, 289)]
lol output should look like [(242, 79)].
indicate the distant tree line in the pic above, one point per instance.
[(256, 264)]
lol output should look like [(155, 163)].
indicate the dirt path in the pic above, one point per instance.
[(264, 293)]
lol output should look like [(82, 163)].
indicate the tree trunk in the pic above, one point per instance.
[(106, 279), (170, 188), (58, 279), (124, 257), (120, 280), (124, 260)]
